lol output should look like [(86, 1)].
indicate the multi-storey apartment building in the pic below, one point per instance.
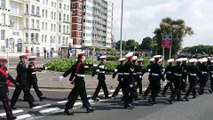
[(92, 23), (35, 25)]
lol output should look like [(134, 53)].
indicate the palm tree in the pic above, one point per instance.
[(177, 29)]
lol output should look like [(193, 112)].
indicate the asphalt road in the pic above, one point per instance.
[(52, 109)]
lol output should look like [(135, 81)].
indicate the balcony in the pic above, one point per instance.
[(19, 1), (16, 13)]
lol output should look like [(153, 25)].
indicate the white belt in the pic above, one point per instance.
[(126, 73), (204, 72), (134, 73), (155, 74), (101, 71), (120, 74), (80, 75), (192, 74), (212, 75), (139, 73), (211, 71), (178, 74), (33, 73), (169, 72)]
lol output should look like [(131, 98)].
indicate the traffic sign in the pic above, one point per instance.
[(166, 41)]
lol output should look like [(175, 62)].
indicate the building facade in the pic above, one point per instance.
[(35, 25), (92, 23)]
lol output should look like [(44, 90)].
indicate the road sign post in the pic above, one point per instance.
[(167, 43)]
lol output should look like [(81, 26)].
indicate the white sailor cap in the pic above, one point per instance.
[(23, 55), (179, 60), (160, 60), (134, 58), (128, 55), (32, 57), (184, 59), (204, 59), (122, 59), (103, 57), (157, 56), (170, 60), (211, 61), (193, 60)]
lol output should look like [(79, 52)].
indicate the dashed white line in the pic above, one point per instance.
[(41, 106), (23, 116), (48, 110), (14, 112), (62, 102)]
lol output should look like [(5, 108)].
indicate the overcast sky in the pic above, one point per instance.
[(141, 17)]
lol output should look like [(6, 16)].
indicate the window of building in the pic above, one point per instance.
[(68, 7), (36, 37), (59, 28), (54, 27), (26, 23), (2, 34), (27, 8), (64, 17), (63, 41), (80, 5), (2, 18), (64, 7), (42, 38), (54, 15), (73, 5), (37, 24), (33, 9), (59, 16), (37, 10), (51, 27), (68, 18), (67, 29), (46, 2), (45, 39), (42, 13), (60, 5), (51, 15), (63, 28), (3, 3), (46, 26), (42, 25), (46, 15), (27, 37), (32, 23), (73, 12), (67, 40), (32, 37)]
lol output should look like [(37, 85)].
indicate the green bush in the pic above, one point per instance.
[(112, 58), (62, 65)]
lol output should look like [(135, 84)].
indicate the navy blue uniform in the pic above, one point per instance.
[(120, 72)]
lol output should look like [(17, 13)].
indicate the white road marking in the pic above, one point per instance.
[(41, 106), (14, 112), (23, 116), (62, 102), (48, 110)]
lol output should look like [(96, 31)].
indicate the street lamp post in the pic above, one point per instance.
[(121, 27)]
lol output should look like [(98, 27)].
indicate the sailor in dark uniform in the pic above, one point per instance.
[(177, 72), (32, 78), (204, 75), (184, 78), (193, 73), (210, 67), (21, 78), (136, 77), (155, 76), (169, 77), (140, 73), (77, 78), (128, 83), (5, 79), (120, 71), (101, 69), (152, 60)]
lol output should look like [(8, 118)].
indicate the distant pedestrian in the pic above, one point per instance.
[(45, 53)]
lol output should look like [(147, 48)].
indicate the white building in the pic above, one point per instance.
[(35, 25)]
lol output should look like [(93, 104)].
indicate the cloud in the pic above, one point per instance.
[(141, 17)]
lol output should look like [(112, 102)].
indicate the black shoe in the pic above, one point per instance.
[(150, 100), (33, 105), (12, 118), (107, 97), (90, 109), (144, 97), (95, 99), (170, 101), (129, 106), (186, 98), (163, 95), (210, 91), (194, 97), (13, 107), (67, 112), (42, 97)]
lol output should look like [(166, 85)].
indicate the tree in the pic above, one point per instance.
[(146, 44), (131, 45), (177, 29), (117, 45)]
